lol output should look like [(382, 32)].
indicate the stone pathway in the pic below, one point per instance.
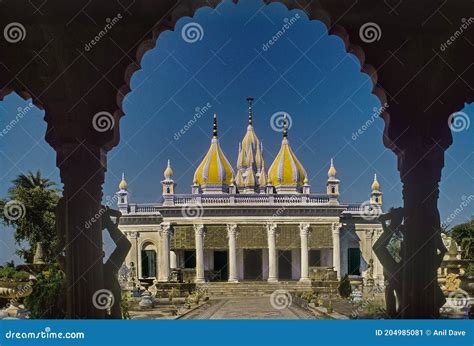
[(258, 308)]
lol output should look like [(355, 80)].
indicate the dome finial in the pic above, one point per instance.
[(250, 100), (214, 129), (332, 170), (285, 126), (168, 173), (123, 183), (375, 184)]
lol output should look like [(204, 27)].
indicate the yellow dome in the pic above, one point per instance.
[(332, 170), (375, 184), (123, 183), (168, 171), (286, 169), (214, 169)]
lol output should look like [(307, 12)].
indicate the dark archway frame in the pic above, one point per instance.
[(421, 85)]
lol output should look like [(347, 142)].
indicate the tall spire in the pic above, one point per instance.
[(214, 129), (250, 100), (285, 126)]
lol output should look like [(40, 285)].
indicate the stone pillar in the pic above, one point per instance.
[(82, 167), (304, 233), (164, 253), (199, 239), (232, 233), (336, 248), (422, 246), (272, 253), (173, 260)]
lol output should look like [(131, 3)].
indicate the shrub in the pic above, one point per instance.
[(13, 274), (47, 299), (344, 288)]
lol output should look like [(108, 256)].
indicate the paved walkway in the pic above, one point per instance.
[(247, 308)]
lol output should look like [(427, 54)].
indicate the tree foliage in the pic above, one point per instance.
[(39, 198), (463, 234), (345, 288), (47, 301)]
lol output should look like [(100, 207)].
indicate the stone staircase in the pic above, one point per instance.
[(259, 288)]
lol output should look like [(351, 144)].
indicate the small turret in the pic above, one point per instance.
[(376, 195), (122, 195), (168, 185), (332, 185)]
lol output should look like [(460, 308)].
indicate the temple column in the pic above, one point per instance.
[(272, 253), (82, 167), (232, 232), (336, 248), (164, 265), (422, 247), (199, 233), (304, 232)]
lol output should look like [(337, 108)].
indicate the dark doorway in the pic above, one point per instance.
[(189, 259), (315, 258), (252, 264), (220, 265), (148, 263), (284, 265), (353, 264)]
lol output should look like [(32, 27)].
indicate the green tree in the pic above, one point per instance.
[(30, 210), (463, 234), (345, 288)]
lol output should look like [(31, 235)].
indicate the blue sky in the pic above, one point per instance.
[(305, 73)]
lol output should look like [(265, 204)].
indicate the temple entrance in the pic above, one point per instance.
[(148, 263), (253, 264), (353, 261), (284, 265), (190, 259), (221, 265)]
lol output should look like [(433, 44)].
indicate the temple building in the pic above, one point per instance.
[(252, 223)]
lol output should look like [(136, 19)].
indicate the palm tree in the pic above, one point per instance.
[(30, 209), (32, 180)]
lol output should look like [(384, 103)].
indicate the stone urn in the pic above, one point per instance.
[(14, 289)]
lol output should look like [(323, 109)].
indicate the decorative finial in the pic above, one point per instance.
[(375, 184), (123, 183), (168, 173), (250, 100), (285, 126), (332, 170), (214, 129)]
